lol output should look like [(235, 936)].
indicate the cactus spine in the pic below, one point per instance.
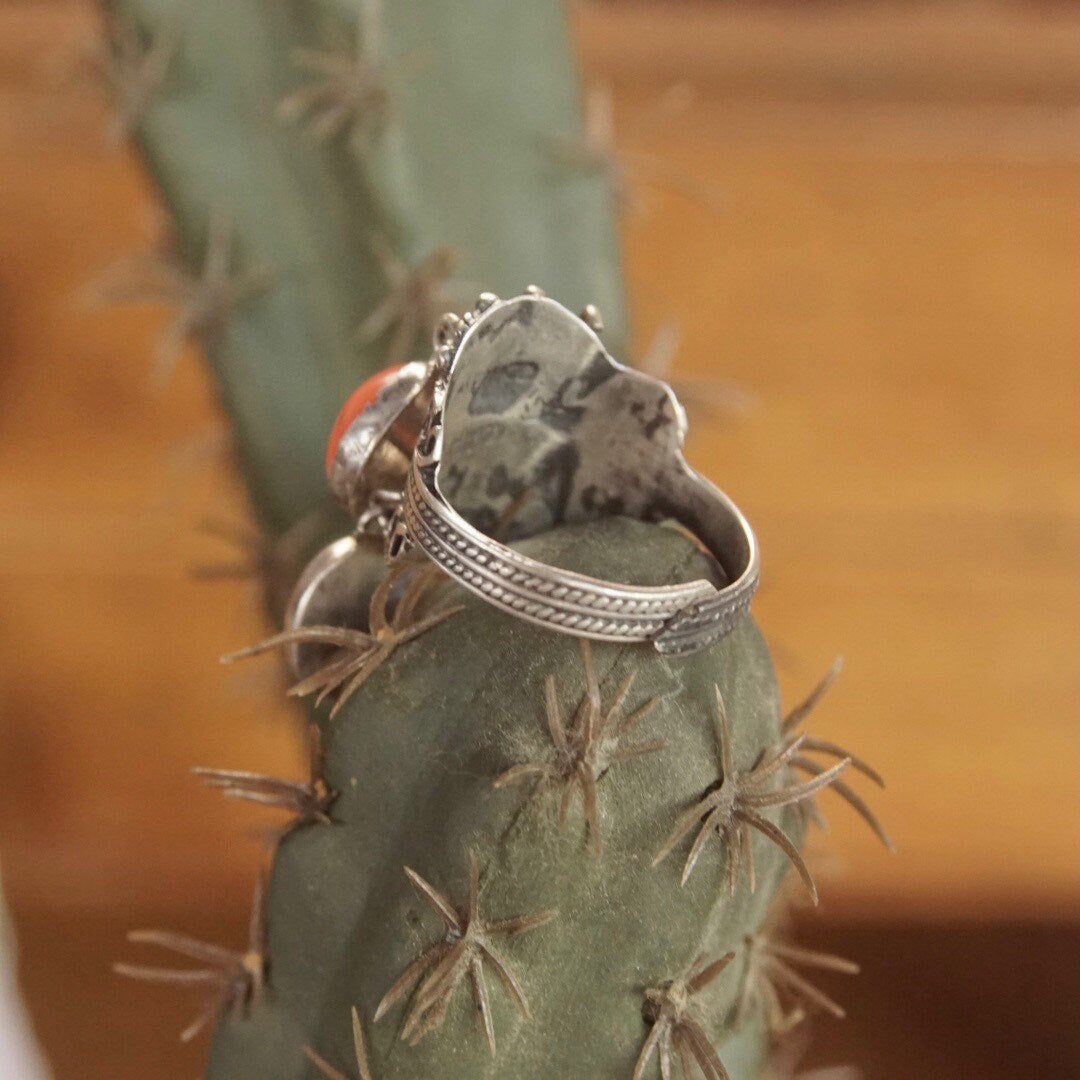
[(513, 857)]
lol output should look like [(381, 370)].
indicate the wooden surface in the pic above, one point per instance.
[(886, 266)]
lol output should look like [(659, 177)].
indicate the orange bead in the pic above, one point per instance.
[(363, 396)]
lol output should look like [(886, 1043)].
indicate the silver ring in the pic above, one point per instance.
[(525, 410)]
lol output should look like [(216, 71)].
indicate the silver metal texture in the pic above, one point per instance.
[(531, 424)]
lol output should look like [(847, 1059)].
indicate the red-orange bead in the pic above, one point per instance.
[(359, 400)]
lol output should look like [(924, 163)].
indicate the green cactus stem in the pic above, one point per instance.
[(415, 756), (427, 758), (469, 96)]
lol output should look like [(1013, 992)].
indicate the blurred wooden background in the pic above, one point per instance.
[(884, 264)]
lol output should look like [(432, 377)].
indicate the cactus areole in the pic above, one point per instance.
[(359, 400)]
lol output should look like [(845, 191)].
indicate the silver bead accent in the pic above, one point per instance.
[(591, 317), (448, 330), (534, 290), (484, 301)]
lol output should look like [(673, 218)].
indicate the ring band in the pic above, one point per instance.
[(676, 618)]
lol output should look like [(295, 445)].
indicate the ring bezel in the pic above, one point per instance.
[(373, 456)]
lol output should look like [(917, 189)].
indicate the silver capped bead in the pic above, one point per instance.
[(591, 317)]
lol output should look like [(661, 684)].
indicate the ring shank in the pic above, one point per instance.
[(678, 618)]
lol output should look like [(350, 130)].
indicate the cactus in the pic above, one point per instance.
[(514, 855), (420, 761)]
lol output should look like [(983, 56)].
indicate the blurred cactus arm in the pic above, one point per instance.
[(472, 159), (339, 173), (473, 96)]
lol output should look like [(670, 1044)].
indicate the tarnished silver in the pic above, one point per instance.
[(526, 422), (529, 409)]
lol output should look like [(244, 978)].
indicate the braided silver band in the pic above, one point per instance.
[(676, 618)]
